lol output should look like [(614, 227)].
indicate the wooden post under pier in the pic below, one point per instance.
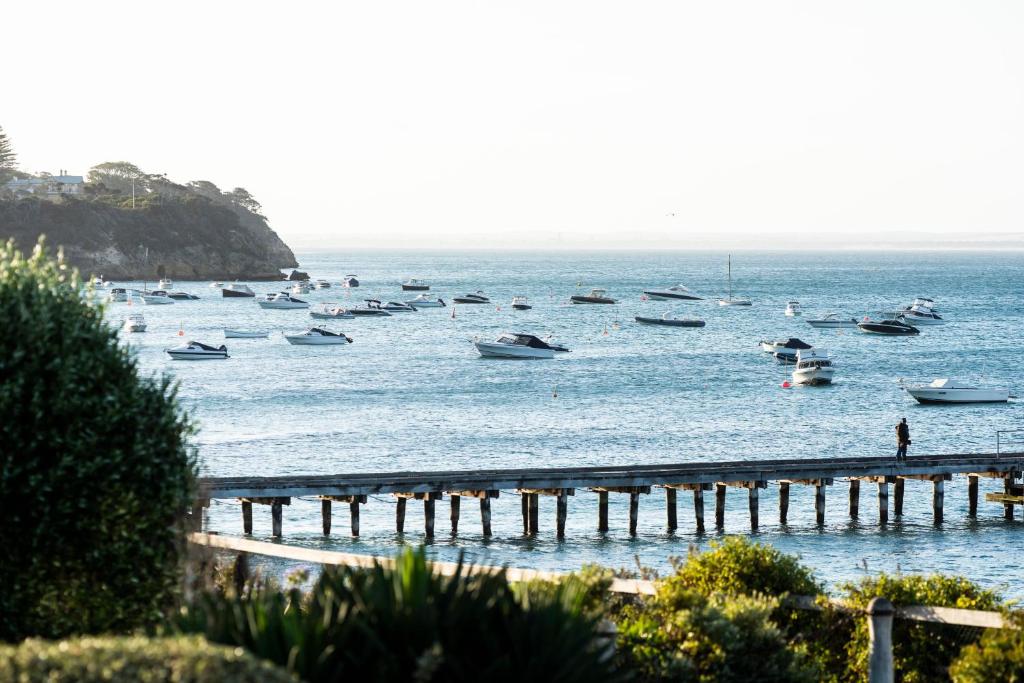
[(897, 501), (246, 517), (819, 503), (485, 515), (671, 509), (1008, 490), (752, 500), (484, 495), (533, 501), (634, 504), (938, 497), (400, 516), (428, 498), (634, 512), (456, 502), (602, 511), (325, 515), (275, 518), (883, 501), (532, 497), (854, 498), (275, 504), (972, 495), (783, 501), (698, 508), (562, 511), (719, 506), (428, 517)]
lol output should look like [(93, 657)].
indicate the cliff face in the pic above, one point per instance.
[(187, 237)]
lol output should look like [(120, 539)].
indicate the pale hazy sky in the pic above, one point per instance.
[(547, 123)]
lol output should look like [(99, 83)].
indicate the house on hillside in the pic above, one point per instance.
[(48, 186)]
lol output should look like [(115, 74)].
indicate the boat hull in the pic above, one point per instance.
[(233, 293), (426, 304), (330, 316), (157, 300), (733, 302), (887, 330), (932, 395), (491, 350), (302, 340), (134, 328), (665, 296), (591, 300), (911, 320), (669, 323), (416, 288), (813, 376), (832, 324), (369, 312), (192, 355), (281, 306), (460, 300), (521, 307)]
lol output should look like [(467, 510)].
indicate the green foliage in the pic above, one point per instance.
[(921, 651), (8, 159), (408, 623), (998, 656), (681, 635), (95, 468), (133, 660), (738, 566)]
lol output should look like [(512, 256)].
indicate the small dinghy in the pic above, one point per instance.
[(426, 301), (329, 311), (477, 298), (518, 346), (596, 296), (667, 320), (245, 334), (318, 336), (946, 390), (198, 351)]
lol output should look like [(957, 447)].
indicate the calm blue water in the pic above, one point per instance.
[(412, 394)]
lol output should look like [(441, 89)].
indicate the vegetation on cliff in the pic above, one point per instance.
[(129, 224)]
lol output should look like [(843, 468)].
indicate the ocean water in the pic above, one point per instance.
[(411, 393)]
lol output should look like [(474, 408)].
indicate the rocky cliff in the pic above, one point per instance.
[(183, 236)]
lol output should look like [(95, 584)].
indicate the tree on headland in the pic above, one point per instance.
[(241, 196), (8, 159)]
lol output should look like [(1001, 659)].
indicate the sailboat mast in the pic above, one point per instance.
[(730, 276)]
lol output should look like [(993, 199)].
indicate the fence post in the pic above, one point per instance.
[(880, 667)]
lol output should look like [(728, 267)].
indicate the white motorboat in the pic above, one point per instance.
[(785, 350), (118, 294), (679, 292), (282, 301), (814, 367), (300, 288), (350, 281), (519, 303), (156, 298), (317, 336), (245, 334), (946, 390), (397, 307), (668, 319), (831, 321), (198, 351), (426, 301), (99, 282), (182, 296), (328, 311), (793, 309), (237, 289), (729, 301), (165, 284), (216, 285), (518, 346), (920, 315), (477, 298), (134, 323), (414, 285), (596, 296), (322, 284)]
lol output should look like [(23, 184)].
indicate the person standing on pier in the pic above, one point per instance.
[(902, 440)]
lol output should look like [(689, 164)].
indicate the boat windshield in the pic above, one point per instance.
[(531, 341)]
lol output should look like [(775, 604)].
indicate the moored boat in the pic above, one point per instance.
[(814, 367), (831, 321), (667, 320), (888, 327), (282, 301), (785, 350), (156, 298), (477, 298), (318, 336), (135, 323), (729, 301), (518, 346), (414, 285), (372, 308), (596, 296), (678, 292), (427, 301), (945, 390), (520, 303), (237, 289), (198, 351), (118, 294), (328, 311), (350, 281), (793, 309)]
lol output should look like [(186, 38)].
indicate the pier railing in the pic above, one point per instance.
[(880, 612), (633, 480)]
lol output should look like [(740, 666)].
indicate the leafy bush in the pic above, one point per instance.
[(409, 623), (738, 566), (921, 651), (998, 656), (681, 635), (95, 470), (133, 660)]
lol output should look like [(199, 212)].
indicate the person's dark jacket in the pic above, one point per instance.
[(902, 433)]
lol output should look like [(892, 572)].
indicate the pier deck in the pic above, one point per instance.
[(634, 480)]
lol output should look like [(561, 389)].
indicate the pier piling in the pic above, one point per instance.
[(325, 515), (897, 501), (972, 495), (524, 499), (719, 506), (670, 508), (1008, 490), (602, 511), (428, 516), (938, 497), (752, 500), (883, 501), (485, 515), (246, 517), (819, 503), (456, 501), (275, 518), (634, 512), (854, 498), (698, 508), (783, 502), (534, 502), (353, 511), (400, 515), (562, 511)]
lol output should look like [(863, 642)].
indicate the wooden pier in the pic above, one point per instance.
[(631, 480)]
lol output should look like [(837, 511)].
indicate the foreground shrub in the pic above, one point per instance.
[(681, 635), (738, 566), (998, 656), (94, 465), (921, 651), (133, 660), (408, 623)]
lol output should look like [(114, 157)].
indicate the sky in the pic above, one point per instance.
[(546, 124)]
